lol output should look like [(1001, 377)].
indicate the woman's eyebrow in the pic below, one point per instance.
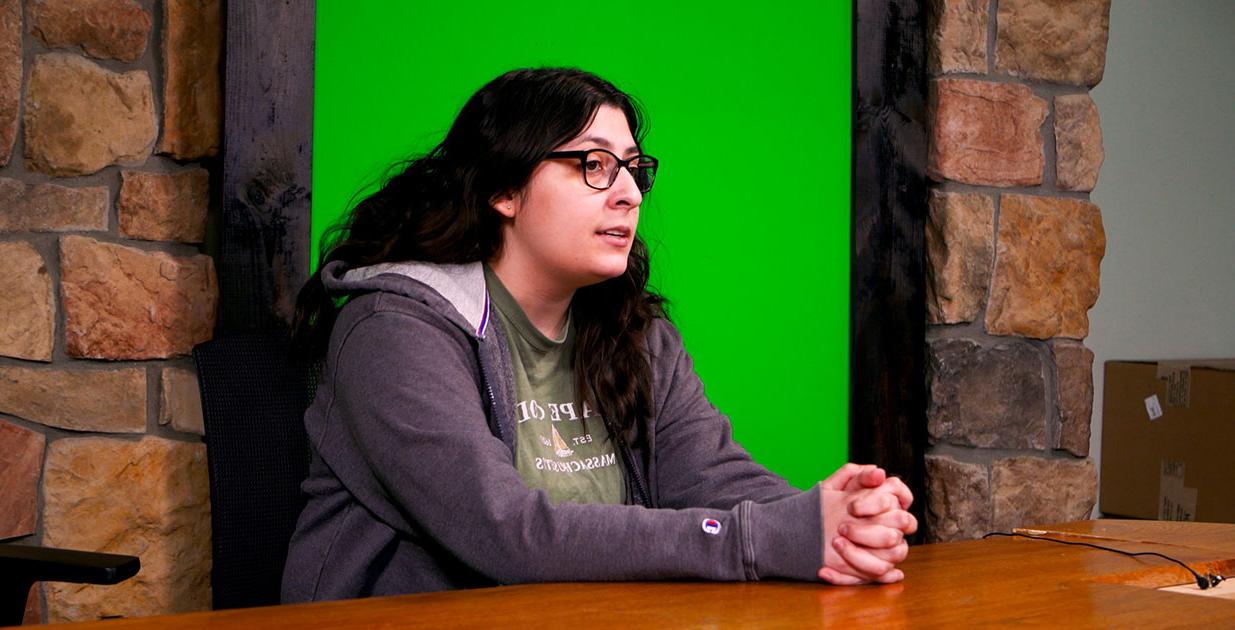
[(604, 143)]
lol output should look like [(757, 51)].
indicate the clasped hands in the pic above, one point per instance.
[(864, 525)]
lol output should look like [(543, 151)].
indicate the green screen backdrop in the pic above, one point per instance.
[(748, 227)]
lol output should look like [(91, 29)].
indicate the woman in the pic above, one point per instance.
[(504, 401)]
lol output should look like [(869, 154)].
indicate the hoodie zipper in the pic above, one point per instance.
[(497, 422), (629, 458)]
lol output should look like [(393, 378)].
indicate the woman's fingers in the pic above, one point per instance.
[(887, 497), (872, 535), (895, 575), (900, 520), (852, 477), (895, 554), (839, 571), (832, 576), (906, 522), (841, 478), (870, 477), (900, 490), (866, 564), (872, 503), (847, 563), (865, 527), (855, 477), (840, 578)]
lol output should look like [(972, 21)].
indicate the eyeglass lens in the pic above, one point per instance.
[(601, 169)]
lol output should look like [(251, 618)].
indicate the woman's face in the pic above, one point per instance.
[(562, 234)]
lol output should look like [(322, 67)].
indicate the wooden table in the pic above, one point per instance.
[(994, 582)]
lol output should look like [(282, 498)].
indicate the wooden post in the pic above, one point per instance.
[(888, 299), (267, 160)]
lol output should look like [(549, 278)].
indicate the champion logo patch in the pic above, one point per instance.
[(711, 526)]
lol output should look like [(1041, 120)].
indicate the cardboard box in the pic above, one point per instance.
[(1168, 440)]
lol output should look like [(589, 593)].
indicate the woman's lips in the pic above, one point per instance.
[(618, 235), (615, 237)]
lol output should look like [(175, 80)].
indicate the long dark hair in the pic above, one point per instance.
[(437, 209)]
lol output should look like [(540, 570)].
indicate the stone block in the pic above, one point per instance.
[(960, 249), (180, 401), (27, 311), (985, 133), (957, 36), (1078, 142), (106, 29), (958, 497), (991, 398), (81, 118), (112, 401), (1063, 41), (50, 208), (1031, 491), (1046, 267), (164, 206), (1074, 366), (192, 86), (21, 463), (10, 76), (34, 611), (125, 303), (148, 498)]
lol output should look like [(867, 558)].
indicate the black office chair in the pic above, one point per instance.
[(22, 566), (253, 401)]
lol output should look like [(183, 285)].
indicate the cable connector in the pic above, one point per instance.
[(1210, 580)]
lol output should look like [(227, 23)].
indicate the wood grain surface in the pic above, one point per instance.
[(987, 583)]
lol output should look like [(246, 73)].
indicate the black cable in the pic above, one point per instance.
[(1203, 581)]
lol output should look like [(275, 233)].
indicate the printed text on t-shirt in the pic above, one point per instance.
[(557, 412)]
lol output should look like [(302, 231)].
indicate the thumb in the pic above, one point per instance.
[(843, 477), (871, 477)]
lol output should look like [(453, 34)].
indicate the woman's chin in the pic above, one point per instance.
[(615, 269), (602, 272)]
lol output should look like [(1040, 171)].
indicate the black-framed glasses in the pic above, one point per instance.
[(600, 167)]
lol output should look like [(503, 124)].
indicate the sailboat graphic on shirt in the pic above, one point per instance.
[(559, 445)]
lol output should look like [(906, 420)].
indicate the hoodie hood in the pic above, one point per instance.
[(460, 287)]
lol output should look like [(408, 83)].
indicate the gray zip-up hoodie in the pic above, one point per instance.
[(412, 485)]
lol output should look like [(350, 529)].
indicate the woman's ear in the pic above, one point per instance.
[(506, 204)]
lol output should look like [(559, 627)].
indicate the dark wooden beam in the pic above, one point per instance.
[(888, 311), (267, 157)]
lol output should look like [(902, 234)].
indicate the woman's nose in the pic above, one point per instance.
[(624, 191)]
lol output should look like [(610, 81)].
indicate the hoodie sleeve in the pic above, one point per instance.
[(406, 433)]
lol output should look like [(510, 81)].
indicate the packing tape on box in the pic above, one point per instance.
[(1175, 502), (1178, 378)]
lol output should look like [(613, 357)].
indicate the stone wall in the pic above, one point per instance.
[(1013, 250), (109, 132)]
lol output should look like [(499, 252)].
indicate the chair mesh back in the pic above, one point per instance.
[(253, 403)]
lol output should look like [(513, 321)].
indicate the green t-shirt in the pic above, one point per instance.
[(574, 461)]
